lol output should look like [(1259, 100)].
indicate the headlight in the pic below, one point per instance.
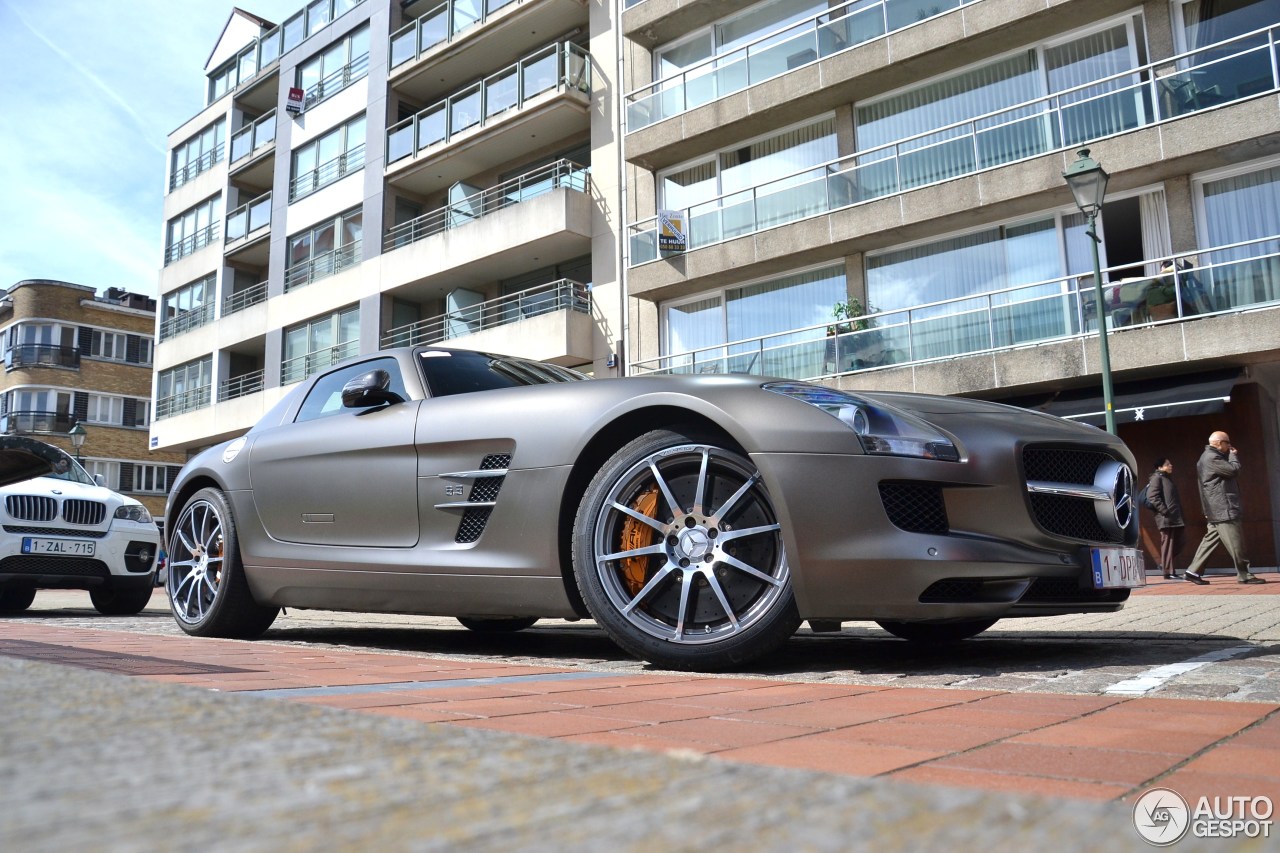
[(880, 429), (134, 512)]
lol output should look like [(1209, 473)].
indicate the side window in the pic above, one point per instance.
[(325, 397)]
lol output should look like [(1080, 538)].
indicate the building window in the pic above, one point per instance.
[(318, 343), (41, 344), (327, 158), (326, 249), (197, 154), (989, 115), (336, 67), (38, 410), (153, 479), (110, 345), (108, 471), (781, 313), (105, 410), (1240, 210), (194, 229), (188, 307), (184, 388)]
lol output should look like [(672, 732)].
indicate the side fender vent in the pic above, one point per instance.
[(484, 490)]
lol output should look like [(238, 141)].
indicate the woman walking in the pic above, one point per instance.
[(1162, 493)]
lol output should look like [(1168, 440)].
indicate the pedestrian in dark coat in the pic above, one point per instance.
[(1218, 470), (1162, 493)]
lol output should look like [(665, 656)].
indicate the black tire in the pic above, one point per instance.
[(499, 625), (937, 632), (17, 599), (712, 588), (121, 601), (208, 593)]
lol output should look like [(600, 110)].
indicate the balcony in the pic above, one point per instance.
[(326, 173), (300, 367), (186, 321), (189, 171), (563, 174), (549, 322), (1215, 282), (191, 244), (183, 402), (548, 92), (42, 355), (354, 71), (322, 266), (454, 43), (36, 422), (1226, 73), (241, 386), (838, 29), (242, 299), (252, 148), (247, 231)]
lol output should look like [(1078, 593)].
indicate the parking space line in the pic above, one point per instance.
[(1157, 677)]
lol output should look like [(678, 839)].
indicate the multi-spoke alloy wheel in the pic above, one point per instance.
[(679, 554), (207, 589)]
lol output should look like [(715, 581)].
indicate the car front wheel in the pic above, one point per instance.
[(679, 554), (129, 601), (937, 632), (207, 589)]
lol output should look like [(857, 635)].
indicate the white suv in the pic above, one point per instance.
[(60, 530)]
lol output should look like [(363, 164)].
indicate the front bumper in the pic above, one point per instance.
[(124, 554)]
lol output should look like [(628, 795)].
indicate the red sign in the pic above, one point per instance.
[(294, 103)]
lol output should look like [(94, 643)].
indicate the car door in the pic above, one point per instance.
[(339, 476)]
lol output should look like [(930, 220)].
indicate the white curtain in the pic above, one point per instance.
[(1238, 209), (1154, 221), (1089, 113)]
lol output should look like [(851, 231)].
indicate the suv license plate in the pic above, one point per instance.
[(65, 547), (1118, 568)]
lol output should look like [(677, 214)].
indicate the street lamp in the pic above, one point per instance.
[(1088, 182), (77, 434)]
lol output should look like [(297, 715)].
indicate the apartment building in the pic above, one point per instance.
[(867, 194), (71, 357), (871, 195), (371, 173)]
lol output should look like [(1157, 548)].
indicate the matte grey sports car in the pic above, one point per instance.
[(697, 519)]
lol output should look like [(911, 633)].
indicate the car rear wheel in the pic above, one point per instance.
[(679, 554), (16, 600), (207, 589), (110, 601), (937, 632), (500, 625)]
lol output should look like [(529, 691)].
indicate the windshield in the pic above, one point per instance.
[(451, 372), (74, 474)]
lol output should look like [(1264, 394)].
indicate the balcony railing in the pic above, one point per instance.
[(795, 45), (18, 423), (300, 367), (1229, 278), (187, 171), (438, 26), (240, 386), (561, 295), (327, 173), (322, 266), (242, 299), (1235, 69), (563, 174), (356, 69), (249, 217), (183, 402), (251, 137), (562, 66), (186, 321), (189, 245), (41, 355)]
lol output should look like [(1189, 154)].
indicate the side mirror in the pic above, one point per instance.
[(100, 480), (369, 389)]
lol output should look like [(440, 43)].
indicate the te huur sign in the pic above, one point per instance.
[(672, 236)]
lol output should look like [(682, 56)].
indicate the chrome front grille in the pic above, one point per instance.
[(1080, 494), (76, 511), (31, 507)]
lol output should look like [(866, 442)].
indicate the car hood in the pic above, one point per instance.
[(25, 458)]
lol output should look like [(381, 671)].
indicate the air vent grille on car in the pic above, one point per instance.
[(71, 567), (1066, 515), (483, 490), (23, 530), (83, 512), (915, 507), (496, 460), (1051, 590), (31, 507), (472, 525)]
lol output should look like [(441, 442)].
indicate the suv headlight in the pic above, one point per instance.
[(134, 512), (880, 429)]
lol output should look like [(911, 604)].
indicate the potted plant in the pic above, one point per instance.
[(850, 314)]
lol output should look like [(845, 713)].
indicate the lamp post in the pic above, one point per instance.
[(77, 434), (1088, 182)]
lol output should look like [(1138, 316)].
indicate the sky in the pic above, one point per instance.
[(89, 92)]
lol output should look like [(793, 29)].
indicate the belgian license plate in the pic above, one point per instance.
[(63, 547), (1118, 568)]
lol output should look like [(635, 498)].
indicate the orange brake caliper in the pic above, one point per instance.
[(637, 534)]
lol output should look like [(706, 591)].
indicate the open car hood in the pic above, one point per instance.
[(24, 458)]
